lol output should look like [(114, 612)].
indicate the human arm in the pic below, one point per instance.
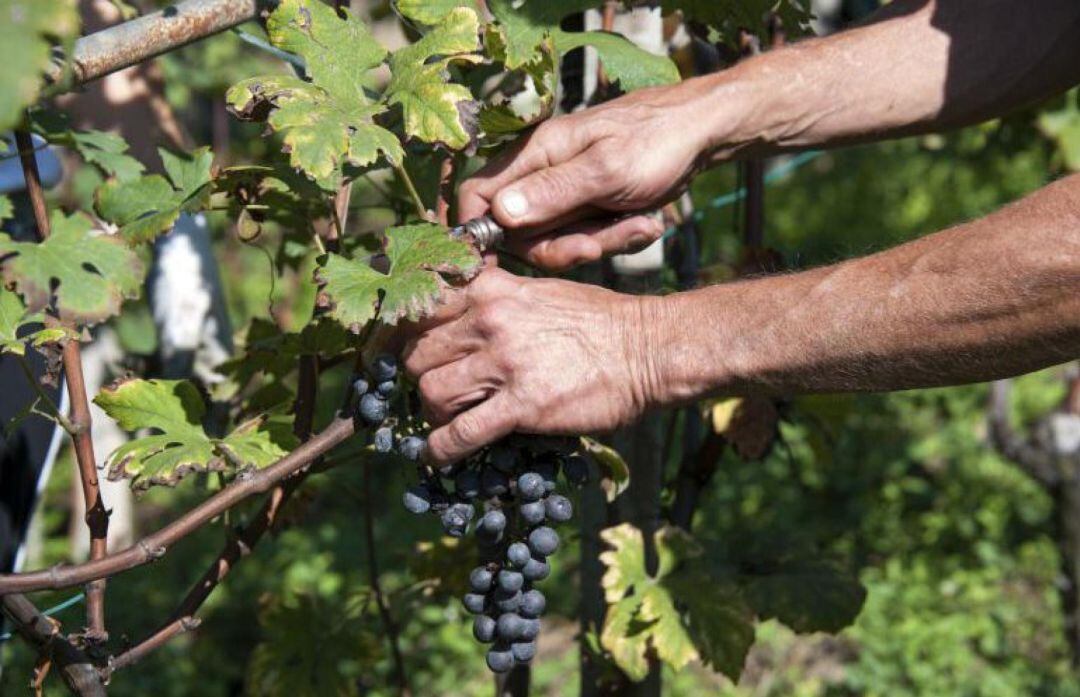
[(915, 66), (988, 299)]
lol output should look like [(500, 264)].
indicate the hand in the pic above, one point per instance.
[(626, 156), (542, 356)]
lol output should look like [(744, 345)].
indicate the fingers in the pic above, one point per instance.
[(439, 346), (587, 242), (549, 197), (456, 386), (469, 431)]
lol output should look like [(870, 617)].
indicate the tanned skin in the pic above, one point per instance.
[(992, 298)]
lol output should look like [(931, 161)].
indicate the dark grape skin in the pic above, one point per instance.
[(531, 630), (518, 554), (536, 570), (360, 387), (509, 626), (474, 602), (576, 470), (417, 499), (384, 439), (503, 458), (412, 447), (455, 519), (481, 579), (467, 484), (383, 368), (532, 603), (507, 602), (494, 483), (558, 508), (548, 469), (543, 541), (493, 522), (530, 486), (386, 389), (532, 512), (483, 629), (510, 581), (523, 651), (373, 409), (500, 660)]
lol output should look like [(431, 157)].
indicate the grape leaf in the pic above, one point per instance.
[(19, 328), (615, 471), (28, 31), (432, 12), (1062, 125), (808, 595), (729, 16), (149, 206), (422, 257), (6, 210), (435, 110), (666, 612), (326, 119), (175, 410), (82, 278), (503, 118), (524, 26), (106, 151)]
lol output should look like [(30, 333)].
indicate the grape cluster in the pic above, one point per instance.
[(513, 485), (373, 394)]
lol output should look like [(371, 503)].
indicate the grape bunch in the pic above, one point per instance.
[(513, 485), (373, 394)]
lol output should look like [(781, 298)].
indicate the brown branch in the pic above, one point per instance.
[(1012, 446), (380, 600), (153, 546), (158, 639), (97, 518), (77, 670), (446, 190)]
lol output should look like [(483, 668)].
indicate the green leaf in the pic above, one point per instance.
[(174, 409), (1063, 126), (326, 119), (616, 473), (19, 328), (432, 12), (106, 151), (729, 16), (718, 621), (808, 595), (149, 206), (502, 118), (421, 258), (524, 26), (80, 277), (6, 209), (28, 31), (435, 110)]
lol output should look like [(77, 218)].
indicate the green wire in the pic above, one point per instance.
[(53, 610)]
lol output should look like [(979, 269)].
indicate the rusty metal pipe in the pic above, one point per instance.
[(151, 35)]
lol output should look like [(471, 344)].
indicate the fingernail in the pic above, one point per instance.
[(514, 203)]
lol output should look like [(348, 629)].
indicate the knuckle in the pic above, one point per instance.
[(427, 387)]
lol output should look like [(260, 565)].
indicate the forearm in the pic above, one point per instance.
[(916, 66), (989, 299)]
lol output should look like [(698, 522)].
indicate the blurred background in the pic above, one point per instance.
[(931, 496)]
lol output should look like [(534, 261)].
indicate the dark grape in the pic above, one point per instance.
[(360, 387), (530, 630), (494, 483), (483, 629), (386, 389), (548, 469), (474, 602), (536, 570), (493, 522), (373, 409), (481, 579), (503, 459), (543, 541), (532, 603), (518, 554), (507, 602), (411, 447), (523, 651), (509, 626), (384, 439), (439, 500), (532, 512), (384, 368), (417, 499), (455, 519), (510, 581), (450, 471), (530, 486), (500, 660), (558, 508), (467, 484), (576, 470)]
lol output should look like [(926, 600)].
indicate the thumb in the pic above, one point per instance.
[(550, 197)]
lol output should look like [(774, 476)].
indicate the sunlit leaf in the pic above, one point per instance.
[(106, 151), (28, 31), (432, 11)]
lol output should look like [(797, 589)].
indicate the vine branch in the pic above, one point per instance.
[(97, 517), (77, 670)]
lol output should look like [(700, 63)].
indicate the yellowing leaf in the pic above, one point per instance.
[(722, 412), (616, 473), (432, 11), (149, 206), (670, 638), (19, 328), (625, 639), (625, 562), (421, 258), (435, 110), (80, 277)]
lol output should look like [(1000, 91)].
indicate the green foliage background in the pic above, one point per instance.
[(952, 543)]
